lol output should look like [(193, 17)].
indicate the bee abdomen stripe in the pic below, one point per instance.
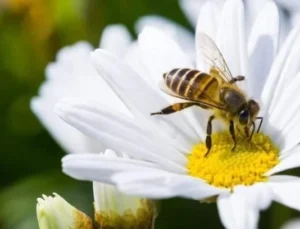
[(183, 83), (189, 80), (176, 78), (206, 83), (169, 75), (196, 84)]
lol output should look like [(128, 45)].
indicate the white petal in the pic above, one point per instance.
[(292, 5), (285, 25), (99, 167), (295, 18), (291, 224), (71, 75), (133, 58), (289, 138), (115, 39), (286, 191), (252, 9), (74, 75), (71, 140), (141, 99), (262, 47), (181, 35), (207, 22), (241, 208), (178, 185), (73, 52), (225, 211), (284, 68), (118, 132), (285, 119), (191, 8), (190, 187), (290, 159), (284, 115), (231, 38), (282, 178), (147, 191), (160, 53)]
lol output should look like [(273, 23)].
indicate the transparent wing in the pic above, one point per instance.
[(207, 101), (212, 57)]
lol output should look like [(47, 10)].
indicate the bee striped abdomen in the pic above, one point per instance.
[(175, 78), (189, 83)]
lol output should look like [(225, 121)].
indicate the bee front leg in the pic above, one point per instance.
[(232, 133), (252, 132), (208, 132), (174, 108), (260, 123), (246, 132)]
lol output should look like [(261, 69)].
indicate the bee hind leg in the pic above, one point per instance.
[(208, 132), (173, 108), (232, 133)]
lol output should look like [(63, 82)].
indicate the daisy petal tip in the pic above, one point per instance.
[(94, 55), (67, 157), (100, 57), (34, 103), (149, 31)]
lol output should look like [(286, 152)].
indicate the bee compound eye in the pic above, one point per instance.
[(244, 117)]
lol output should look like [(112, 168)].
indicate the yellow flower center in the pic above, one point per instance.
[(225, 168)]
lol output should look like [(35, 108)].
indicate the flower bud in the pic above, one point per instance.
[(56, 213)]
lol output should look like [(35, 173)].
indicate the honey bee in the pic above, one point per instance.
[(216, 90)]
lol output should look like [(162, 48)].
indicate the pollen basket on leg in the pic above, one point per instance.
[(225, 168)]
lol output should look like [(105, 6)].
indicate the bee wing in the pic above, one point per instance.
[(211, 55), (209, 102)]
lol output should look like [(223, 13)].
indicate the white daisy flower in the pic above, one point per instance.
[(55, 212), (169, 151)]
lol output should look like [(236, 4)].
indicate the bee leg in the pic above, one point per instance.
[(261, 121), (231, 131), (208, 132), (246, 131), (235, 79), (174, 108), (252, 132)]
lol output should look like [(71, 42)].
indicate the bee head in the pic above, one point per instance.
[(248, 113)]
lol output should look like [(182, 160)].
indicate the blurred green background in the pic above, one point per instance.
[(31, 32)]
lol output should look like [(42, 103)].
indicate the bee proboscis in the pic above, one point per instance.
[(215, 90)]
